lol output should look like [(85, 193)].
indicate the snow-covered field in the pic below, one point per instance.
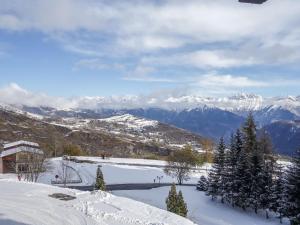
[(29, 204), (116, 171), (120, 171), (202, 210)]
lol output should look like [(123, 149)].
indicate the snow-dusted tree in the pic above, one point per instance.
[(277, 196), (202, 184), (182, 207), (266, 189), (229, 169), (257, 180), (215, 177), (293, 191), (242, 181), (100, 184), (235, 150)]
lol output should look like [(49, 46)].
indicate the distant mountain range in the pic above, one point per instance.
[(207, 117)]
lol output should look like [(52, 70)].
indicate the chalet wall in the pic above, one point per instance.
[(1, 165)]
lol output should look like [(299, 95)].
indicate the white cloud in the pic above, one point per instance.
[(228, 81), (206, 89), (147, 26), (145, 74), (16, 95)]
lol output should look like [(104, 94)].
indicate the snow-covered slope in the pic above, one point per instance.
[(27, 203), (131, 121)]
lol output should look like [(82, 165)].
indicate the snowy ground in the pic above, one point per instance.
[(29, 204), (201, 209), (119, 171), (115, 170)]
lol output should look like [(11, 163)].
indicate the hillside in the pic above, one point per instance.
[(95, 136)]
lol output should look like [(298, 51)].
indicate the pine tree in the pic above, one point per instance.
[(229, 170), (249, 132), (202, 184), (293, 191), (266, 190), (171, 200), (236, 179), (257, 180), (242, 181), (182, 208), (277, 196), (100, 184), (215, 178)]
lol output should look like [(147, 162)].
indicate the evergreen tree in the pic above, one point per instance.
[(257, 180), (175, 202), (215, 178), (266, 190), (202, 184), (293, 191), (100, 184), (171, 200), (242, 181), (236, 179), (229, 170), (277, 196), (249, 132), (181, 205)]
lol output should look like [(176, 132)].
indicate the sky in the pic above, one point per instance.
[(73, 48)]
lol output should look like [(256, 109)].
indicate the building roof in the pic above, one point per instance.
[(19, 143), (21, 146)]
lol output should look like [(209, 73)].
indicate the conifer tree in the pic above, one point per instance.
[(175, 202), (266, 189), (249, 132), (293, 191), (242, 181), (216, 185), (277, 196), (171, 200), (257, 180), (182, 208), (235, 186), (100, 184), (202, 184), (229, 170)]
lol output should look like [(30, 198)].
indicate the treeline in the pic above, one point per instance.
[(245, 174)]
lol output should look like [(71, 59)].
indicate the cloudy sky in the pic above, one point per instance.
[(101, 48)]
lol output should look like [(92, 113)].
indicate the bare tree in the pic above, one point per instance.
[(30, 167), (35, 166), (181, 163)]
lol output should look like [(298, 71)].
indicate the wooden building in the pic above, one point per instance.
[(18, 156)]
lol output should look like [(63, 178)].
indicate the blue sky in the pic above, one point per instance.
[(103, 48)]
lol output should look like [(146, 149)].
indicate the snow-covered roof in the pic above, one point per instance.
[(18, 143), (21, 149)]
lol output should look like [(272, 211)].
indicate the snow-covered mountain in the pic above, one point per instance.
[(210, 117), (237, 103)]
